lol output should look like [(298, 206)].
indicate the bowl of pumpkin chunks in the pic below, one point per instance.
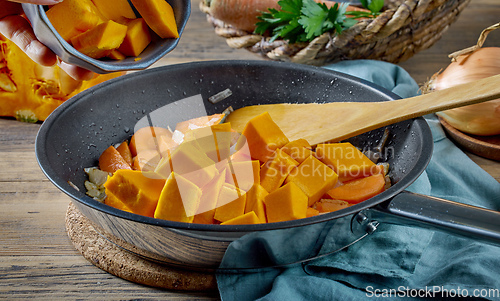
[(110, 35), (205, 172)]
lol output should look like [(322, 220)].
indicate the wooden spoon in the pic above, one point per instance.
[(336, 121)]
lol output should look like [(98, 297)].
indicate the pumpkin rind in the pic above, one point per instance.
[(30, 92)]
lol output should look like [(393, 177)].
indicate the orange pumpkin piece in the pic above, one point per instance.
[(99, 41), (241, 154), (286, 203), (124, 151), (255, 202), (159, 15), (214, 140), (136, 39), (359, 190), (115, 9), (274, 172), (111, 160), (243, 174), (199, 122), (166, 145), (190, 162), (138, 190), (314, 178), (231, 203), (179, 200), (116, 55), (147, 160), (263, 136), (73, 17), (346, 160), (208, 202), (146, 138), (311, 212), (298, 149), (245, 219), (113, 201), (223, 134), (328, 205)]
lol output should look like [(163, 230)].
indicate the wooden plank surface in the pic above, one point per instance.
[(37, 258)]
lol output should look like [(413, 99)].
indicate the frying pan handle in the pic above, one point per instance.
[(439, 214)]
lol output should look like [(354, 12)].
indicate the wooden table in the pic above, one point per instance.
[(37, 258)]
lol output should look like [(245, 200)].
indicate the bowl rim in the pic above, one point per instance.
[(75, 57), (80, 197)]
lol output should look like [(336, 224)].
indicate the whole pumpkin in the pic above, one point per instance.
[(30, 92)]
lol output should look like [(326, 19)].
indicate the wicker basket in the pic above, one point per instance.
[(404, 28)]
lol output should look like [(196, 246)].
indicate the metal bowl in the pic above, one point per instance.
[(77, 132), (46, 33)]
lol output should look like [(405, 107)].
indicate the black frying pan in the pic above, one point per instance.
[(74, 136)]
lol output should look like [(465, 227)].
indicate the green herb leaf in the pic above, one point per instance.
[(373, 5), (314, 19), (304, 20)]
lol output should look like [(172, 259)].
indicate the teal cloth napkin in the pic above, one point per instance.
[(395, 261)]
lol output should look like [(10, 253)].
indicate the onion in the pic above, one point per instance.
[(479, 119)]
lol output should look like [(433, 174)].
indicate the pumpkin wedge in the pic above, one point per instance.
[(159, 15), (99, 41)]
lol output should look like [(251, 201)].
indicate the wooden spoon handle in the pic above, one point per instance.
[(336, 121), (389, 112), (461, 95)]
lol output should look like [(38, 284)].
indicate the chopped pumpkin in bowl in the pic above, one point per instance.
[(110, 35)]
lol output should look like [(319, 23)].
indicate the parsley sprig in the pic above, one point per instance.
[(304, 20)]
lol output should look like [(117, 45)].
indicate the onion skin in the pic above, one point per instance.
[(481, 119)]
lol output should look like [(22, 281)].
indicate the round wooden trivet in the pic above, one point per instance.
[(114, 260)]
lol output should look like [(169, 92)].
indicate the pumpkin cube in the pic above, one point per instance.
[(311, 212), (314, 178), (165, 145), (159, 15), (198, 122), (73, 17), (274, 172), (190, 162), (111, 160), (139, 191), (231, 203), (298, 149), (328, 205), (346, 160), (214, 140), (358, 190), (241, 154), (115, 9), (147, 160), (243, 174), (223, 140), (255, 202), (245, 219), (113, 201), (99, 41), (116, 55), (147, 138), (263, 137), (179, 200), (208, 201), (136, 39), (124, 151), (286, 203)]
